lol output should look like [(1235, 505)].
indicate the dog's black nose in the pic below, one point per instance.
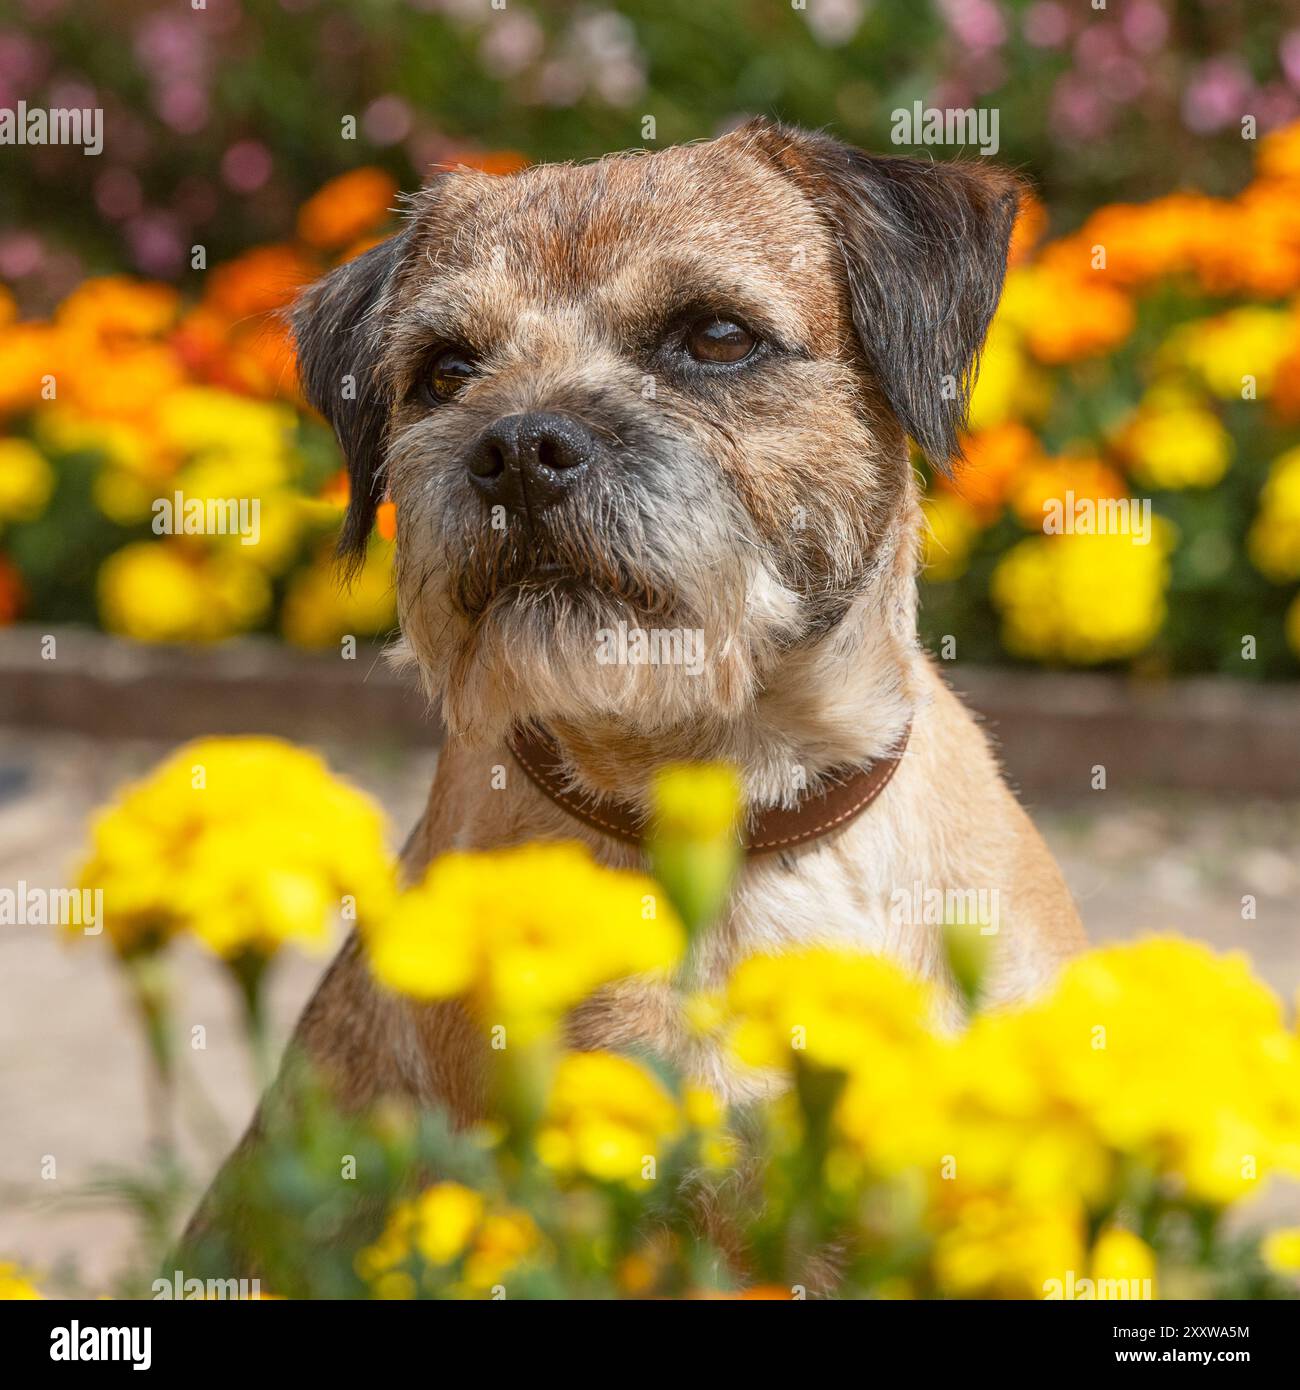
[(528, 462)]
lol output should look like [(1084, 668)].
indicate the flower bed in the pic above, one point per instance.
[(1096, 1143), (1149, 359)]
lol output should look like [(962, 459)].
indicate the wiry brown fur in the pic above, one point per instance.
[(772, 505)]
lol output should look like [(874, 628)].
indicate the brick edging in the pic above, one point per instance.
[(1207, 734)]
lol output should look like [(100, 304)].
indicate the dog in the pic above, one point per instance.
[(672, 392)]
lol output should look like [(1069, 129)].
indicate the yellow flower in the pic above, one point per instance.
[(247, 843), (134, 471), (1122, 1259), (1010, 386), (695, 845), (1292, 625), (446, 1217), (1273, 542), (15, 1285), (1248, 342), (162, 592), (282, 518), (321, 607), (524, 933), (1065, 311), (204, 422), (1083, 598), (1281, 1250), (444, 1226), (608, 1118), (697, 801), (1174, 443), (64, 430), (26, 481), (950, 531), (833, 1007), (1100, 1047), (995, 1248)]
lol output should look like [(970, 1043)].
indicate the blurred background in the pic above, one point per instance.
[(249, 146)]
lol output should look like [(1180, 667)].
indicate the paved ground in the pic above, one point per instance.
[(71, 1064)]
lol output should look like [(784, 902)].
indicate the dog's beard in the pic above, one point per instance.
[(567, 623), (564, 566)]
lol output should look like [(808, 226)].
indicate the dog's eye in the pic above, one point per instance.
[(719, 340), (448, 373)]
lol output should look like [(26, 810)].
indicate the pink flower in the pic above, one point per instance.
[(246, 166), (977, 23), (1046, 24), (1289, 53), (1218, 94), (1145, 25), (118, 194), (387, 120)]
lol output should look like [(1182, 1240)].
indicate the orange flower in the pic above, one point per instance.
[(13, 593), (251, 356), (114, 308), (262, 359), (359, 248), (1286, 391), (1279, 153), (1066, 312), (1266, 218), (260, 280), (1031, 223), (1084, 475), (346, 207), (1147, 241), (127, 382), (386, 520), (772, 1293), (488, 161), (337, 489), (994, 457), (29, 352)]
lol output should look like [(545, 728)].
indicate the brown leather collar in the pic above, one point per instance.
[(843, 796)]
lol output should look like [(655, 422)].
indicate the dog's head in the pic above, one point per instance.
[(661, 393)]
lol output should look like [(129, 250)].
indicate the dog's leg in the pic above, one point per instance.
[(362, 1045)]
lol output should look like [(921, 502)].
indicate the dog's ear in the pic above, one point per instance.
[(925, 252), (338, 333)]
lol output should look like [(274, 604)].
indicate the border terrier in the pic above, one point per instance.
[(671, 393)]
